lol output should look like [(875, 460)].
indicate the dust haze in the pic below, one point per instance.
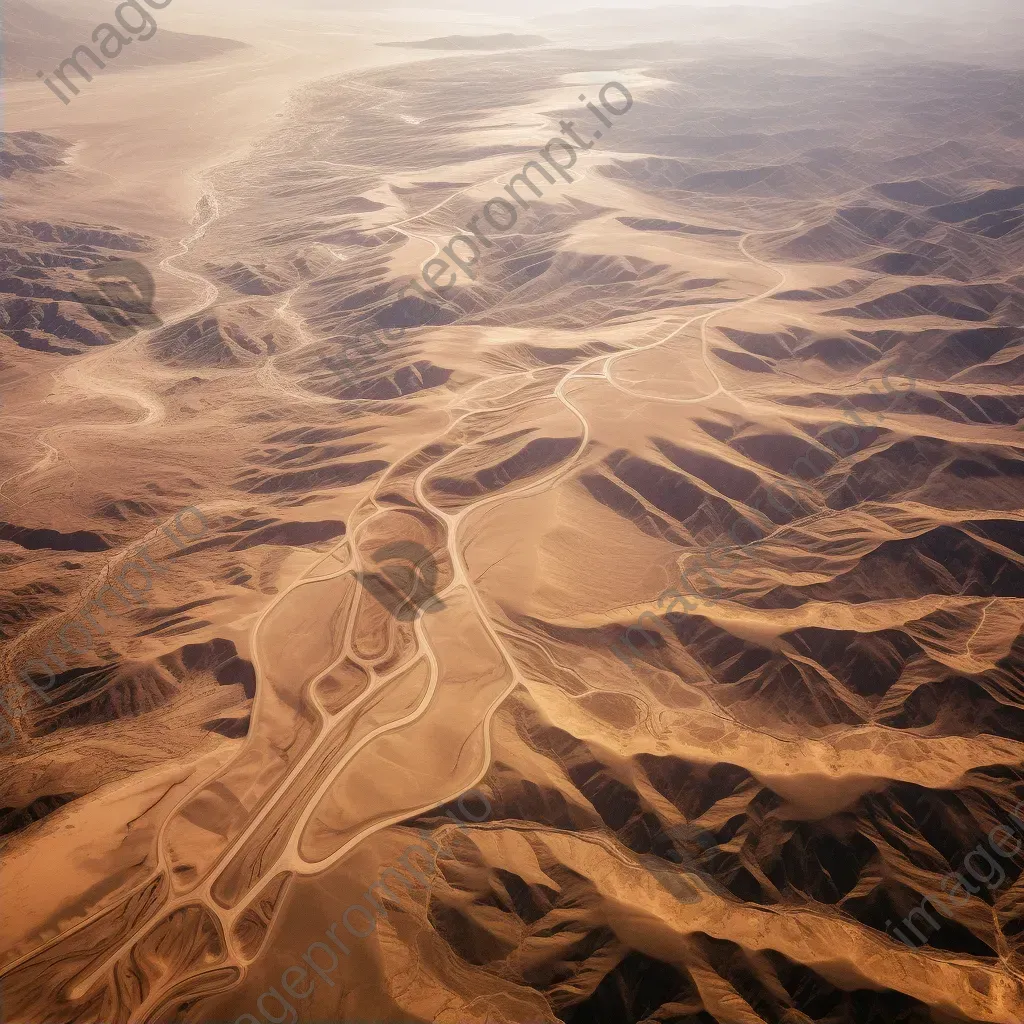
[(512, 513)]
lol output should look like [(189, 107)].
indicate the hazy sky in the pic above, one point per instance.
[(502, 7)]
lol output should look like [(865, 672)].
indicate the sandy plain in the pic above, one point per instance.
[(637, 370)]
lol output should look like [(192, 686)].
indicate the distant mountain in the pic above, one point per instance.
[(29, 152), (502, 41), (38, 40)]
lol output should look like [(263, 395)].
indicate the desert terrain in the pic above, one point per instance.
[(451, 575)]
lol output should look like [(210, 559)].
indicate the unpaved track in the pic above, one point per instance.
[(90, 377)]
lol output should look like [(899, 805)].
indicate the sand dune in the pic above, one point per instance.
[(684, 523)]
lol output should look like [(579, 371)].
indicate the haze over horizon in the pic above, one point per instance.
[(512, 514)]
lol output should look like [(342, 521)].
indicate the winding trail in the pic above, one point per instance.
[(87, 377), (91, 373), (95, 373)]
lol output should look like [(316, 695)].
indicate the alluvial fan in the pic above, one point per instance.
[(513, 516)]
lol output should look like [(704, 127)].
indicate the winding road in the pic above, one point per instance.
[(93, 375)]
